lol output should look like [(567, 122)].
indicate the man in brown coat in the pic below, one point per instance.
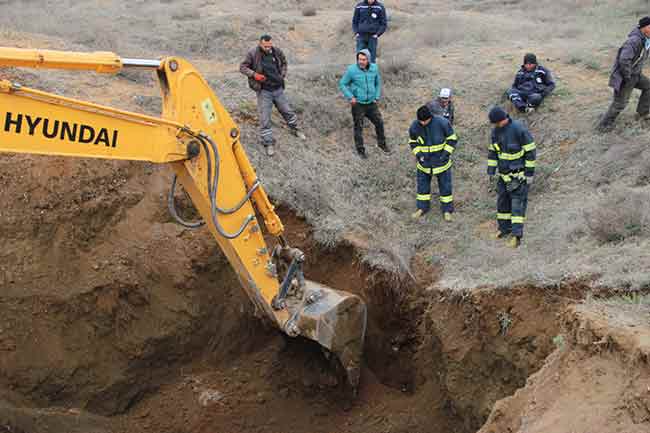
[(627, 75), (266, 69)]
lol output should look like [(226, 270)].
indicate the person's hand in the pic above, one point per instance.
[(375, 36), (259, 77), (529, 180), (353, 101), (356, 36), (491, 182)]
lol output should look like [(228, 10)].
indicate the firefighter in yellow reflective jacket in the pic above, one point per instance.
[(512, 151), (432, 141)]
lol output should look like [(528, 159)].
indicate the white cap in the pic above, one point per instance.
[(445, 93)]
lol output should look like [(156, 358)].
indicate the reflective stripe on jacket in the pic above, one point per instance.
[(433, 144), (512, 151)]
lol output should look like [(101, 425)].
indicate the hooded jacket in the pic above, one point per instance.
[(253, 64), (362, 84), (369, 19), (629, 59)]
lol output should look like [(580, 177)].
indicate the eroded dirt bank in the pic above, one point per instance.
[(185, 353)]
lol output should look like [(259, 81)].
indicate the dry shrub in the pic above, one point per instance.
[(309, 11), (624, 213)]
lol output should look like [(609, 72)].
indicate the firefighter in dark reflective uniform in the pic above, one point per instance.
[(512, 151)]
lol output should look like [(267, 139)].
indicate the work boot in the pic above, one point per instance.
[(384, 147), (270, 150), (514, 242), (500, 235), (298, 133), (417, 214), (448, 216), (529, 109), (361, 151)]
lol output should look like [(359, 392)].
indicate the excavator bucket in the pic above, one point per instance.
[(334, 319)]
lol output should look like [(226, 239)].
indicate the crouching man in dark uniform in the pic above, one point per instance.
[(512, 151), (532, 84)]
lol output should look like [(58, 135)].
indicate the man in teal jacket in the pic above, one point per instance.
[(361, 85)]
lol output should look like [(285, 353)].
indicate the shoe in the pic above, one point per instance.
[(500, 235), (645, 116), (384, 147), (362, 153), (417, 214), (514, 242), (604, 128), (447, 216), (270, 150), (298, 133), (529, 110)]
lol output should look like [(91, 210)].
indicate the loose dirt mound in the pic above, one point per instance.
[(598, 381)]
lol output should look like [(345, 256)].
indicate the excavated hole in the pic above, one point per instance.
[(436, 361)]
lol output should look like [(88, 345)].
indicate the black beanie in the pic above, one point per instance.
[(497, 114), (645, 21), (424, 113), (530, 58)]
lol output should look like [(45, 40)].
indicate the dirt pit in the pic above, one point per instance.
[(190, 356)]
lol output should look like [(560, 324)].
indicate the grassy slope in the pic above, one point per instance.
[(577, 227)]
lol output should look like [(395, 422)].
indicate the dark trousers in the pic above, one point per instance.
[(444, 187), (622, 97), (512, 201), (521, 99), (367, 41), (371, 111)]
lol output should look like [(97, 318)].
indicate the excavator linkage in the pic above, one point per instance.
[(198, 139)]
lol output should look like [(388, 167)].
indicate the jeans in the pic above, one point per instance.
[(265, 101)]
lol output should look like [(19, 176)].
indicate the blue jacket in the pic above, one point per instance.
[(433, 144), (512, 150), (539, 80), (369, 19), (365, 85)]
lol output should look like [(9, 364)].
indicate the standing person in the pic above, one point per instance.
[(368, 24), (361, 85), (432, 141), (266, 69), (533, 82), (513, 152), (443, 105), (627, 75)]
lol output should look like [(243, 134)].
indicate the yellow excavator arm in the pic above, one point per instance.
[(198, 138)]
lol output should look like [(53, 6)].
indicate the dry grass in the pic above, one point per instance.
[(474, 47), (620, 215)]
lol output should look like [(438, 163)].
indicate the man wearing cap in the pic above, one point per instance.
[(532, 84), (432, 141), (266, 69), (443, 105), (368, 24), (361, 86), (627, 75), (512, 151)]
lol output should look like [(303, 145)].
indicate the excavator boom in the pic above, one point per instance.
[(198, 138)]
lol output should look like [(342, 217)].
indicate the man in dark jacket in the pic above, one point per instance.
[(432, 141), (533, 83), (443, 105), (368, 24), (266, 69), (512, 152), (627, 75)]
